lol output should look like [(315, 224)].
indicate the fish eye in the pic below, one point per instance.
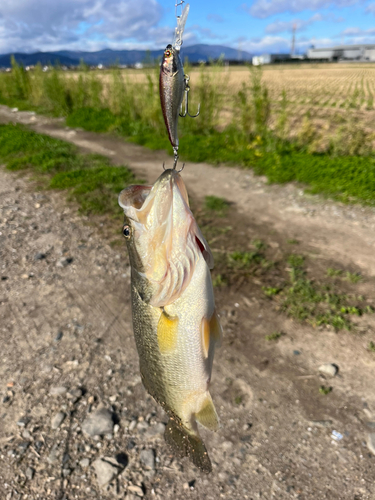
[(167, 53), (126, 231)]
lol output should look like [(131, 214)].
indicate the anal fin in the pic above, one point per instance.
[(207, 415), (187, 444)]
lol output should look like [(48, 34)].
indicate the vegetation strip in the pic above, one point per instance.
[(89, 179), (257, 134)]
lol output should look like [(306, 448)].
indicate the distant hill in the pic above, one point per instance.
[(42, 57), (195, 53)]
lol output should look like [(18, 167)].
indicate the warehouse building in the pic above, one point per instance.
[(343, 53)]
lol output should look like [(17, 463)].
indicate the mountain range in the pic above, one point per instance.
[(195, 53)]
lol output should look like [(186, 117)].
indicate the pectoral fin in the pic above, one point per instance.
[(207, 415), (211, 329), (167, 332)]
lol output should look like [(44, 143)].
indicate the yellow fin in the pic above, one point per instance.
[(207, 415), (216, 329), (167, 332)]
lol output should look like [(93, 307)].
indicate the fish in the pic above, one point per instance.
[(171, 88), (175, 323)]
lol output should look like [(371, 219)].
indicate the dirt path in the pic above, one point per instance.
[(67, 347)]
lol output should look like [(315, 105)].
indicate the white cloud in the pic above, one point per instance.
[(371, 8), (299, 24), (279, 44), (29, 25), (267, 8), (358, 32)]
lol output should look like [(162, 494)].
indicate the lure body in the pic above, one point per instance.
[(171, 88)]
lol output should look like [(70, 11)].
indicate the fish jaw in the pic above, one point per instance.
[(166, 241), (171, 88)]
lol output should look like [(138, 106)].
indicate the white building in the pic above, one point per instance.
[(344, 53)]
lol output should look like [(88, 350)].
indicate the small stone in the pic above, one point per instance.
[(329, 370), (142, 426), (39, 256), (74, 395), (26, 435), (136, 489), (105, 471), (371, 442), (132, 425), (58, 391), (85, 462), (24, 276), (23, 421), (52, 457), (147, 458), (30, 473), (66, 472), (155, 431), (99, 423), (57, 420), (59, 336), (116, 428), (65, 261)]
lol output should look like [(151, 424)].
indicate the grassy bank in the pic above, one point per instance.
[(92, 182), (242, 127), (88, 179)]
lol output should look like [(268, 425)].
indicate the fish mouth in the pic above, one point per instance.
[(166, 236)]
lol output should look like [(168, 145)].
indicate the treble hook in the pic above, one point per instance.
[(175, 151), (186, 110)]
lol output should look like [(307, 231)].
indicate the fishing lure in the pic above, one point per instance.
[(174, 84)]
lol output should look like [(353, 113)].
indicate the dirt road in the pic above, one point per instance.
[(67, 349)]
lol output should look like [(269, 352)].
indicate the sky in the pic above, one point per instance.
[(258, 26)]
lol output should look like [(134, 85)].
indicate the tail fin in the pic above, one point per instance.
[(187, 444)]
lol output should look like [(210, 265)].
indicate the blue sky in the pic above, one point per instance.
[(256, 26)]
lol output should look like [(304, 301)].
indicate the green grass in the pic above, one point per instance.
[(216, 204), (371, 346), (88, 179), (273, 336), (317, 303), (344, 170), (324, 390)]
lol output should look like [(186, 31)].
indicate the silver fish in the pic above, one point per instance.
[(175, 324)]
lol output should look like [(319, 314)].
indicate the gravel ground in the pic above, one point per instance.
[(76, 423)]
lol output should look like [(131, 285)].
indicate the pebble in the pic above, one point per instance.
[(39, 256), (74, 395), (65, 261), (105, 471), (30, 473), (23, 421), (147, 458), (57, 420), (371, 442), (85, 462), (136, 489), (58, 391), (99, 423), (52, 457), (330, 370), (156, 430)]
